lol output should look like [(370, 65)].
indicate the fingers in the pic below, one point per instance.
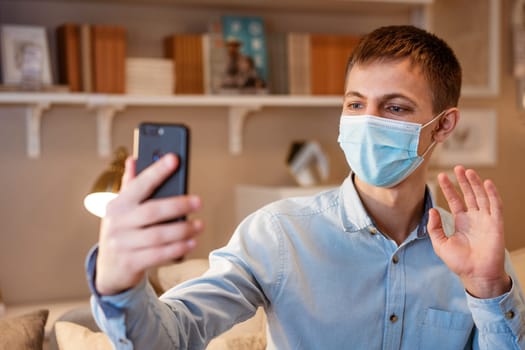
[(476, 194), (129, 172), (156, 256), (158, 236), (151, 178), (435, 229), (455, 203), (161, 210), (466, 187), (474, 185), (496, 204)]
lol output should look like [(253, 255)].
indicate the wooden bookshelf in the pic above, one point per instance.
[(105, 106)]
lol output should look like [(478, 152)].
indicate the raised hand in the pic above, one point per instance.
[(476, 249), (134, 235)]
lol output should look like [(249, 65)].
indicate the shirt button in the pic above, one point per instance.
[(395, 259), (122, 341), (509, 315), (372, 230), (393, 318)]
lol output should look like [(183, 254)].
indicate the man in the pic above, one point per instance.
[(365, 266)]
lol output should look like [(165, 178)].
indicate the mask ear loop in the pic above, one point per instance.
[(433, 144)]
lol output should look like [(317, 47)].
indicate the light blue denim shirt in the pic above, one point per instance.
[(327, 279)]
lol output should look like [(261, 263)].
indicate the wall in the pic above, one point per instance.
[(46, 232)]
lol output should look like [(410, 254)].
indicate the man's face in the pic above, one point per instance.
[(392, 89)]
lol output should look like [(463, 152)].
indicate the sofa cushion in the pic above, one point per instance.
[(170, 275), (254, 341), (25, 332), (71, 336)]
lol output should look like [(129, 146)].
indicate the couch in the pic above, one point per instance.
[(76, 329)]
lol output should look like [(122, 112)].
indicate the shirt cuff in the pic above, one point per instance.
[(502, 314), (112, 305)]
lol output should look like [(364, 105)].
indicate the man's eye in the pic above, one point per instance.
[(354, 105), (396, 109)]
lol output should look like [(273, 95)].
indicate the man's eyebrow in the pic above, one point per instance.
[(353, 94), (383, 98)]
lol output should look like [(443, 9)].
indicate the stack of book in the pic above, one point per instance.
[(92, 58), (149, 76)]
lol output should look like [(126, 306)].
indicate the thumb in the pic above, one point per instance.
[(435, 229), (129, 171)]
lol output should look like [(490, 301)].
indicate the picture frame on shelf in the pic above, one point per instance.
[(472, 143), (25, 56), (476, 41)]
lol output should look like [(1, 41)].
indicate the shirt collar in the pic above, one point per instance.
[(355, 218)]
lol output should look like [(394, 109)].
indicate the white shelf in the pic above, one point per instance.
[(105, 107)]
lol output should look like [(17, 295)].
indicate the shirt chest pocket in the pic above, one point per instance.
[(446, 330)]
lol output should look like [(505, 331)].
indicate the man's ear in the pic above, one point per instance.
[(447, 123)]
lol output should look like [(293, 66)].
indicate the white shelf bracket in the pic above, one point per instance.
[(237, 116), (105, 115), (33, 114)]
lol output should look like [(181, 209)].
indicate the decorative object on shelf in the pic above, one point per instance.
[(473, 142), (307, 163), (246, 69), (107, 186), (25, 56)]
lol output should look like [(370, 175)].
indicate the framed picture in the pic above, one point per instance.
[(25, 56), (472, 143), (473, 34)]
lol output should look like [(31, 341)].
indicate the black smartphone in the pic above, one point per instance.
[(154, 140)]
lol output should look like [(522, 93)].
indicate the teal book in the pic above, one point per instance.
[(247, 64)]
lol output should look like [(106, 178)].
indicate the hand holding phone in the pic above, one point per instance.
[(154, 140)]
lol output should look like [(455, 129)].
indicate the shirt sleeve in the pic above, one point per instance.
[(191, 314), (111, 312), (500, 321)]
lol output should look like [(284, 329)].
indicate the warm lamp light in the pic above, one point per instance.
[(107, 185)]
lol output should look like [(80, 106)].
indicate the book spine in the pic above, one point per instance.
[(68, 45), (120, 60), (278, 63), (299, 63), (186, 50), (169, 52), (86, 58), (97, 59), (329, 79)]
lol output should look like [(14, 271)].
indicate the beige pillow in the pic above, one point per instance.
[(170, 275), (25, 332), (240, 342), (71, 336)]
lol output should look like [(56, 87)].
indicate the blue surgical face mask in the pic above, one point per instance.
[(381, 151)]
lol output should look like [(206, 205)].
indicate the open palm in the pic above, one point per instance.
[(476, 249)]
